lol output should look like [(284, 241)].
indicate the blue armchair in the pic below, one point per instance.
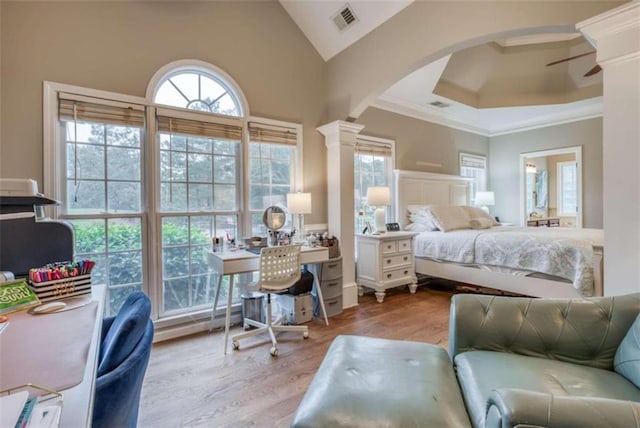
[(124, 355)]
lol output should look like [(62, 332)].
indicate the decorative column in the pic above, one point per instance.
[(340, 139), (616, 36)]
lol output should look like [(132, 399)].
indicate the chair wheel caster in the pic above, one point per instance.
[(235, 345), (305, 335), (273, 351)]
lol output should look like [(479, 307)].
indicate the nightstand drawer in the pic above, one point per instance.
[(393, 275), (404, 245), (390, 262), (331, 270), (389, 247), (331, 288)]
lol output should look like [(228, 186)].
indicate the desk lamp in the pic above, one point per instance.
[(485, 199), (379, 197), (300, 204)]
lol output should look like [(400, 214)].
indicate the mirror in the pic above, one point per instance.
[(274, 217), (551, 191)]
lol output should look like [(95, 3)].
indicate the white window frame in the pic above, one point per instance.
[(560, 192), (54, 167), (477, 187)]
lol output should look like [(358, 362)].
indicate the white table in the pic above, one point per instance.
[(241, 261)]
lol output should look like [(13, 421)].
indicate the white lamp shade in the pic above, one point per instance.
[(299, 203), (378, 196), (485, 198)]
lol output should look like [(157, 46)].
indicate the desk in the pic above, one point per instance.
[(241, 261), (77, 407)]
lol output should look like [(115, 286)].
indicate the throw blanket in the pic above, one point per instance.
[(565, 253)]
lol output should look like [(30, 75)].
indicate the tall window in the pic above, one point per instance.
[(148, 182), (103, 146), (273, 156), (474, 166), (567, 188), (373, 167)]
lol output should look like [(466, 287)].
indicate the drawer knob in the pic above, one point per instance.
[(388, 275), (332, 265), (388, 261), (406, 272), (389, 246), (406, 258)]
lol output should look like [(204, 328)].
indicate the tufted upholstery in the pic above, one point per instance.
[(580, 331), (543, 362)]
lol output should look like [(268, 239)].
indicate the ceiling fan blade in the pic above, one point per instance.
[(570, 58), (593, 71)]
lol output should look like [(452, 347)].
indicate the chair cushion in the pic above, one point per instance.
[(125, 332), (627, 359), (480, 372)]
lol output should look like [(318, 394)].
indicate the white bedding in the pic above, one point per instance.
[(562, 252)]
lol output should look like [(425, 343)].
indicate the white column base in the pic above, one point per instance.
[(349, 295)]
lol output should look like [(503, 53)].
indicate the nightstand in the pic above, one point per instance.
[(385, 261)]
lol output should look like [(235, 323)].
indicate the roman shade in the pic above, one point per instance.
[(263, 133), (89, 109), (203, 125)]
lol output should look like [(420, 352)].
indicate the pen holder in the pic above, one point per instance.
[(62, 288)]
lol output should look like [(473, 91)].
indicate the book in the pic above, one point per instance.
[(16, 296)]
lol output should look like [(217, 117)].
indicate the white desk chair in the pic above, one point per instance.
[(279, 270)]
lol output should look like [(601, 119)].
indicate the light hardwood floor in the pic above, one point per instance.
[(190, 382)]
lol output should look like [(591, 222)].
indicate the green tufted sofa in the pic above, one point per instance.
[(547, 362), (519, 362)]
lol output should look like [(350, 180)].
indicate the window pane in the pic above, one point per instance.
[(175, 262), (125, 267), (173, 197), (86, 132), (85, 197), (123, 164), (225, 197), (224, 169), (225, 105), (200, 167), (210, 90), (176, 293), (280, 172), (89, 162), (201, 229), (123, 136), (175, 231), (187, 83), (200, 197), (169, 95), (200, 144), (124, 197), (225, 147), (227, 224), (125, 234), (89, 236)]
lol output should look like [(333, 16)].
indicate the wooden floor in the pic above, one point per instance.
[(190, 382)]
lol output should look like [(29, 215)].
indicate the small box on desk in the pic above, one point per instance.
[(296, 309), (61, 288)]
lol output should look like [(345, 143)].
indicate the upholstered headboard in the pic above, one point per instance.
[(424, 188)]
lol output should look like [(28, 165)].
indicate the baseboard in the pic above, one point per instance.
[(175, 331), (349, 295)]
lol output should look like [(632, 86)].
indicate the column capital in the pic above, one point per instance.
[(340, 132), (615, 33)]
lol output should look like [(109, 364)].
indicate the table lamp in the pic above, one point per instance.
[(485, 199), (379, 197), (300, 204)]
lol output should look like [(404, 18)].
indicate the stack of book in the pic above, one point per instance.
[(60, 280), (19, 410)]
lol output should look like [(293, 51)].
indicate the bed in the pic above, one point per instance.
[(486, 257)]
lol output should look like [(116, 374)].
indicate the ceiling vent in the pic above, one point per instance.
[(344, 18), (439, 104)]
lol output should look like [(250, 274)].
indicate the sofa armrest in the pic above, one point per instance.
[(517, 407), (581, 331)]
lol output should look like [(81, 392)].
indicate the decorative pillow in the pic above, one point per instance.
[(475, 212), (626, 362), (419, 227), (422, 215), (450, 217), (480, 223)]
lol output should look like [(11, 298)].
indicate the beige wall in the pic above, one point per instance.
[(118, 46), (504, 163), (427, 30), (420, 141)]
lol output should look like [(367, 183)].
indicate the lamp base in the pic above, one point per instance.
[(380, 222), (485, 209)]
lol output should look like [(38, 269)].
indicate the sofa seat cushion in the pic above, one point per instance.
[(368, 382), (480, 372)]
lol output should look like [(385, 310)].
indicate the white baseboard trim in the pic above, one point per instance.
[(175, 331), (349, 295)]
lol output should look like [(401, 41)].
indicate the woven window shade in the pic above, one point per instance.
[(261, 133), (471, 161), (373, 149), (86, 109), (200, 128)]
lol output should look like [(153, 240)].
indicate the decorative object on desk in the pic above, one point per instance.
[(274, 218), (393, 227), (332, 244), (299, 204), (379, 197), (485, 200), (60, 280), (255, 242), (16, 296)]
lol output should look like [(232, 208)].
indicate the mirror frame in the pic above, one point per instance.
[(266, 217), (577, 151)]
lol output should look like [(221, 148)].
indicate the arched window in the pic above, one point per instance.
[(196, 90)]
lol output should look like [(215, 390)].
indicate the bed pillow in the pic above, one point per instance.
[(450, 217), (475, 212), (420, 214), (480, 223), (419, 227)]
